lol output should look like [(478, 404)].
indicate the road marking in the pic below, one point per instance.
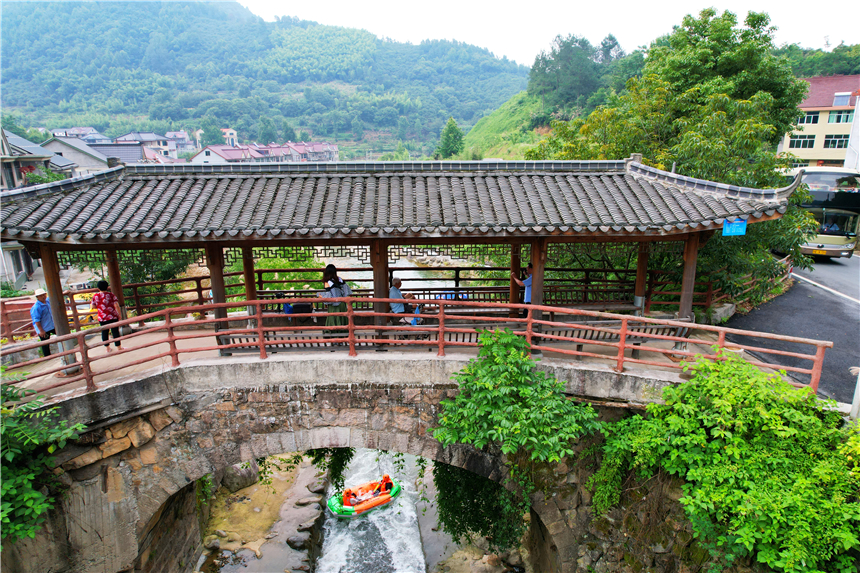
[(821, 286)]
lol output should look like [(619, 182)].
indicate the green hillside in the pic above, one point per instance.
[(163, 66), (507, 132)]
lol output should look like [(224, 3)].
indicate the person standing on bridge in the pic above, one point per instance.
[(335, 288), (527, 283), (107, 308), (43, 322)]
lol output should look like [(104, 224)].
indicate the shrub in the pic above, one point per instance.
[(29, 435), (762, 461), (506, 402)]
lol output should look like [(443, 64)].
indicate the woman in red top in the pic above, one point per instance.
[(107, 306)]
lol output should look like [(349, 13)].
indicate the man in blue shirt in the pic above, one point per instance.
[(400, 307), (394, 292), (43, 322)]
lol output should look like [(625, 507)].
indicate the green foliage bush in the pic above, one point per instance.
[(766, 466), (506, 402), (29, 435)]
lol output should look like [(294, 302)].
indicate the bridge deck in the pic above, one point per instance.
[(148, 346), (603, 341)]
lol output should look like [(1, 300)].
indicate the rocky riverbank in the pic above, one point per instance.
[(274, 526)]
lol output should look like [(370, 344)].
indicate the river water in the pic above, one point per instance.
[(387, 540)]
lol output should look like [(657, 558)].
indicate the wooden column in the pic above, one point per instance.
[(250, 278), (379, 262), (215, 262), (691, 252), (516, 268), (115, 281), (539, 250), (54, 286), (641, 278)]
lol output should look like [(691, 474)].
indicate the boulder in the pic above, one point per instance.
[(237, 477), (299, 541)]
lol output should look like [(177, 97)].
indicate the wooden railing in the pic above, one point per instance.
[(453, 324), (593, 290)]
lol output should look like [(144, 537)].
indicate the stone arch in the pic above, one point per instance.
[(135, 464)]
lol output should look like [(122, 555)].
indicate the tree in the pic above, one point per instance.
[(287, 132), (268, 134), (714, 56), (211, 132), (712, 101), (357, 128), (451, 140)]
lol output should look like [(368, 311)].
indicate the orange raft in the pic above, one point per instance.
[(357, 501)]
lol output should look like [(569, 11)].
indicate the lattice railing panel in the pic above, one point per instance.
[(478, 253)]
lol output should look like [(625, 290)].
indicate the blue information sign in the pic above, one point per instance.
[(734, 228)]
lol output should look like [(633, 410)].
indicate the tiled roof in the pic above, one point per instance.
[(21, 146), (822, 89), (360, 201), (80, 146), (128, 152)]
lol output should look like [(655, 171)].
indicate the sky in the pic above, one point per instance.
[(521, 29)]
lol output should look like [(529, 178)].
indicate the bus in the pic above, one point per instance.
[(836, 206)]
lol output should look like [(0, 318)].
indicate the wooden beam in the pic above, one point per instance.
[(691, 253), (379, 262), (215, 262), (516, 268), (641, 276)]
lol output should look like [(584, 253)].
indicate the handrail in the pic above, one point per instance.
[(557, 291), (622, 328)]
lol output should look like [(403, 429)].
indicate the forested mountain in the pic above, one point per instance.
[(573, 78), (160, 66), (807, 63)]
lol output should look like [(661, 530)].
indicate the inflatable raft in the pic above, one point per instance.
[(356, 501)]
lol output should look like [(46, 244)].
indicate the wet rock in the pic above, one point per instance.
[(212, 542), (220, 533), (307, 526), (237, 477), (271, 535), (309, 500), (299, 541), (317, 487), (515, 559)]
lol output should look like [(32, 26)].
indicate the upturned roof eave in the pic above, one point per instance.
[(320, 236)]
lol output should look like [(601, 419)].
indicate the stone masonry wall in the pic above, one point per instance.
[(154, 436), (174, 542)]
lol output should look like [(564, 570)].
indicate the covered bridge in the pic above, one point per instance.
[(375, 211)]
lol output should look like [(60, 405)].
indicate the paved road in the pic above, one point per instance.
[(808, 311), (842, 275)]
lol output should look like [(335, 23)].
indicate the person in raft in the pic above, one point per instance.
[(349, 498)]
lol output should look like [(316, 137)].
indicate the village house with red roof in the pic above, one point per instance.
[(822, 133)]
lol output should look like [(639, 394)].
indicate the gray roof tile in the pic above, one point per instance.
[(160, 203)]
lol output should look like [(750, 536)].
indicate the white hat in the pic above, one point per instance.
[(39, 292)]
